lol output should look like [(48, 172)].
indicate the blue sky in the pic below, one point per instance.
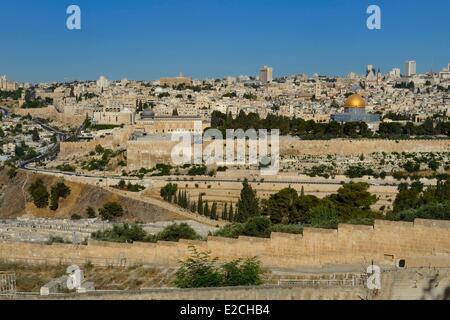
[(148, 39)]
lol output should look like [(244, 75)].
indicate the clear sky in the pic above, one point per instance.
[(148, 39)]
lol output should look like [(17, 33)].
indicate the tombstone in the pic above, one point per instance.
[(123, 260)]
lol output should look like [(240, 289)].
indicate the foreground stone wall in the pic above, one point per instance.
[(422, 243)]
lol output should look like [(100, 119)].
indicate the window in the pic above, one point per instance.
[(401, 264)]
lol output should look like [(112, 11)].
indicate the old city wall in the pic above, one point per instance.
[(357, 147), (117, 139), (422, 243), (145, 154), (51, 113)]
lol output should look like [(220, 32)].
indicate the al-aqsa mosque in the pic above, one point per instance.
[(355, 111)]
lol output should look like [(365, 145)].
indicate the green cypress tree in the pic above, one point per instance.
[(302, 193), (206, 211), (214, 211), (200, 205), (231, 216), (231, 213), (248, 204), (225, 212)]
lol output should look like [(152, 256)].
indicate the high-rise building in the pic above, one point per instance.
[(266, 74), (395, 73), (410, 68)]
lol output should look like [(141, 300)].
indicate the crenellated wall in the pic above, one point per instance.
[(422, 243)]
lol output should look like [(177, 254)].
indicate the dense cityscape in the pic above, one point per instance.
[(257, 187)]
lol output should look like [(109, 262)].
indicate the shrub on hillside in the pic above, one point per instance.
[(111, 211), (201, 271)]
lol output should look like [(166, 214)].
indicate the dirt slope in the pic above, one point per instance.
[(16, 202)]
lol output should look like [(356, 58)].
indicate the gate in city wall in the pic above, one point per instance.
[(7, 284)]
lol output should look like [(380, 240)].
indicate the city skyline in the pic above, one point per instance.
[(213, 39)]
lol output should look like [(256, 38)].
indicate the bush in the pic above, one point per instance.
[(66, 168), (111, 211), (288, 228), (257, 227), (197, 171), (242, 273), (90, 212), (231, 231), (75, 217), (435, 211), (121, 233), (130, 233), (324, 216), (200, 271), (175, 232)]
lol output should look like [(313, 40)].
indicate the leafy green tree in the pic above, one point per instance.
[(39, 193), (111, 210), (407, 198), (60, 190), (282, 207), (304, 206), (353, 200), (248, 204), (169, 191)]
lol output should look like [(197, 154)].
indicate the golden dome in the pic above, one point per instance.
[(355, 101)]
